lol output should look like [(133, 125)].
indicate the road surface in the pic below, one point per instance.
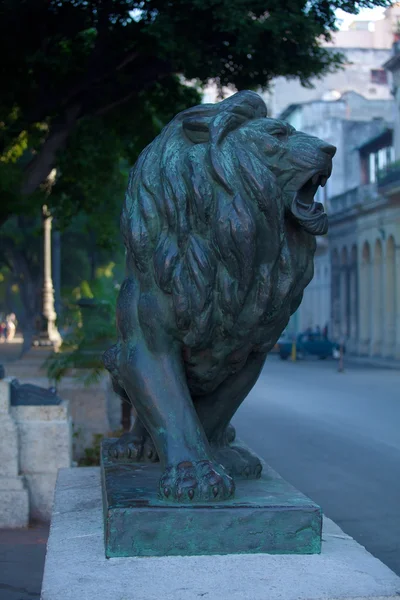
[(336, 437)]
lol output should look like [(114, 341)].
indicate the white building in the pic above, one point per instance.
[(356, 286), (365, 243), (366, 46), (345, 123)]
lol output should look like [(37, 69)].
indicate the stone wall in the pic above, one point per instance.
[(45, 445), (14, 498), (35, 442), (94, 409)]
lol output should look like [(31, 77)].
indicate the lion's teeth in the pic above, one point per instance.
[(323, 181)]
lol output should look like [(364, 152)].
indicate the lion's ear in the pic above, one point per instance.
[(247, 104), (197, 129), (217, 120), (234, 112)]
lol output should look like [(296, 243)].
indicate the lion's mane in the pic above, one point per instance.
[(205, 220)]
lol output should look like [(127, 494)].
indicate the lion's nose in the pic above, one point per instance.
[(328, 149)]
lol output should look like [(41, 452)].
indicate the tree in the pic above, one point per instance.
[(85, 199), (65, 63)]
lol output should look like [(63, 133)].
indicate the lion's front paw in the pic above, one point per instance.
[(201, 481), (130, 446), (239, 461)]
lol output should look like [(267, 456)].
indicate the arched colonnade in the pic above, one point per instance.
[(365, 286)]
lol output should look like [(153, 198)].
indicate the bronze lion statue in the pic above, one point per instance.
[(219, 225)]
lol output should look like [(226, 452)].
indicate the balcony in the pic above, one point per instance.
[(389, 180), (354, 199)]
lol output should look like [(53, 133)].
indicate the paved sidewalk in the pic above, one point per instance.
[(374, 362), (22, 554)]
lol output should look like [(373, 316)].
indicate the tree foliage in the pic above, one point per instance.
[(85, 80), (86, 197), (91, 315)]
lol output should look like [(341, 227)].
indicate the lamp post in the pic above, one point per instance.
[(49, 334)]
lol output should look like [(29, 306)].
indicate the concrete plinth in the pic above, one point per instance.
[(265, 515), (76, 567), (45, 445), (14, 499)]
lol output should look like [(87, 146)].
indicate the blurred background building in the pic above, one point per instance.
[(356, 285), (355, 291)]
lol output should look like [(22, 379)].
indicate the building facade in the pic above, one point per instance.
[(366, 46), (347, 123), (365, 242), (356, 284)]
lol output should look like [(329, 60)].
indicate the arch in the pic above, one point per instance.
[(335, 293), (353, 293), (365, 299), (377, 299), (344, 257), (344, 294), (390, 304)]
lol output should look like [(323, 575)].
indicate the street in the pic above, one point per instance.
[(336, 437)]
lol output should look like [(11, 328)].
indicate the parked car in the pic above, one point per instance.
[(314, 344)]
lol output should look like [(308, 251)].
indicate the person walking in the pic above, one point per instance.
[(11, 327)]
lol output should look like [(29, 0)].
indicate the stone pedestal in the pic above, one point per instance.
[(14, 500), (35, 441), (77, 568), (45, 445), (266, 515)]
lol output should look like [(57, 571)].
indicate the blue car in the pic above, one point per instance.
[(312, 344)]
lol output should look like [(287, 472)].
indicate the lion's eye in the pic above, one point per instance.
[(280, 134)]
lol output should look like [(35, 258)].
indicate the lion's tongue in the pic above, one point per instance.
[(305, 195)]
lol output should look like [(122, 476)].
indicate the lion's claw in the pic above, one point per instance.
[(134, 448), (239, 462), (201, 481)]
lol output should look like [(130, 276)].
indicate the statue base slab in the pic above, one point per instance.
[(267, 515)]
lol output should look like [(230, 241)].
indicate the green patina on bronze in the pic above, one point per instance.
[(267, 515), (219, 225)]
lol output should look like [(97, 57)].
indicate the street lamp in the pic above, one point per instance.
[(49, 334)]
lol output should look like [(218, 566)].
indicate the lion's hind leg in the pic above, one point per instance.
[(135, 445)]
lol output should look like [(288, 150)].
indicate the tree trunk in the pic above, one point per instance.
[(40, 167)]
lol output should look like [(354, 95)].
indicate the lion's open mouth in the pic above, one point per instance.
[(305, 195), (309, 214)]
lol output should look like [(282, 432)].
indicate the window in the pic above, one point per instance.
[(372, 168), (379, 160), (382, 158), (379, 76)]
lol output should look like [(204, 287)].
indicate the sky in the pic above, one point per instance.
[(367, 14)]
